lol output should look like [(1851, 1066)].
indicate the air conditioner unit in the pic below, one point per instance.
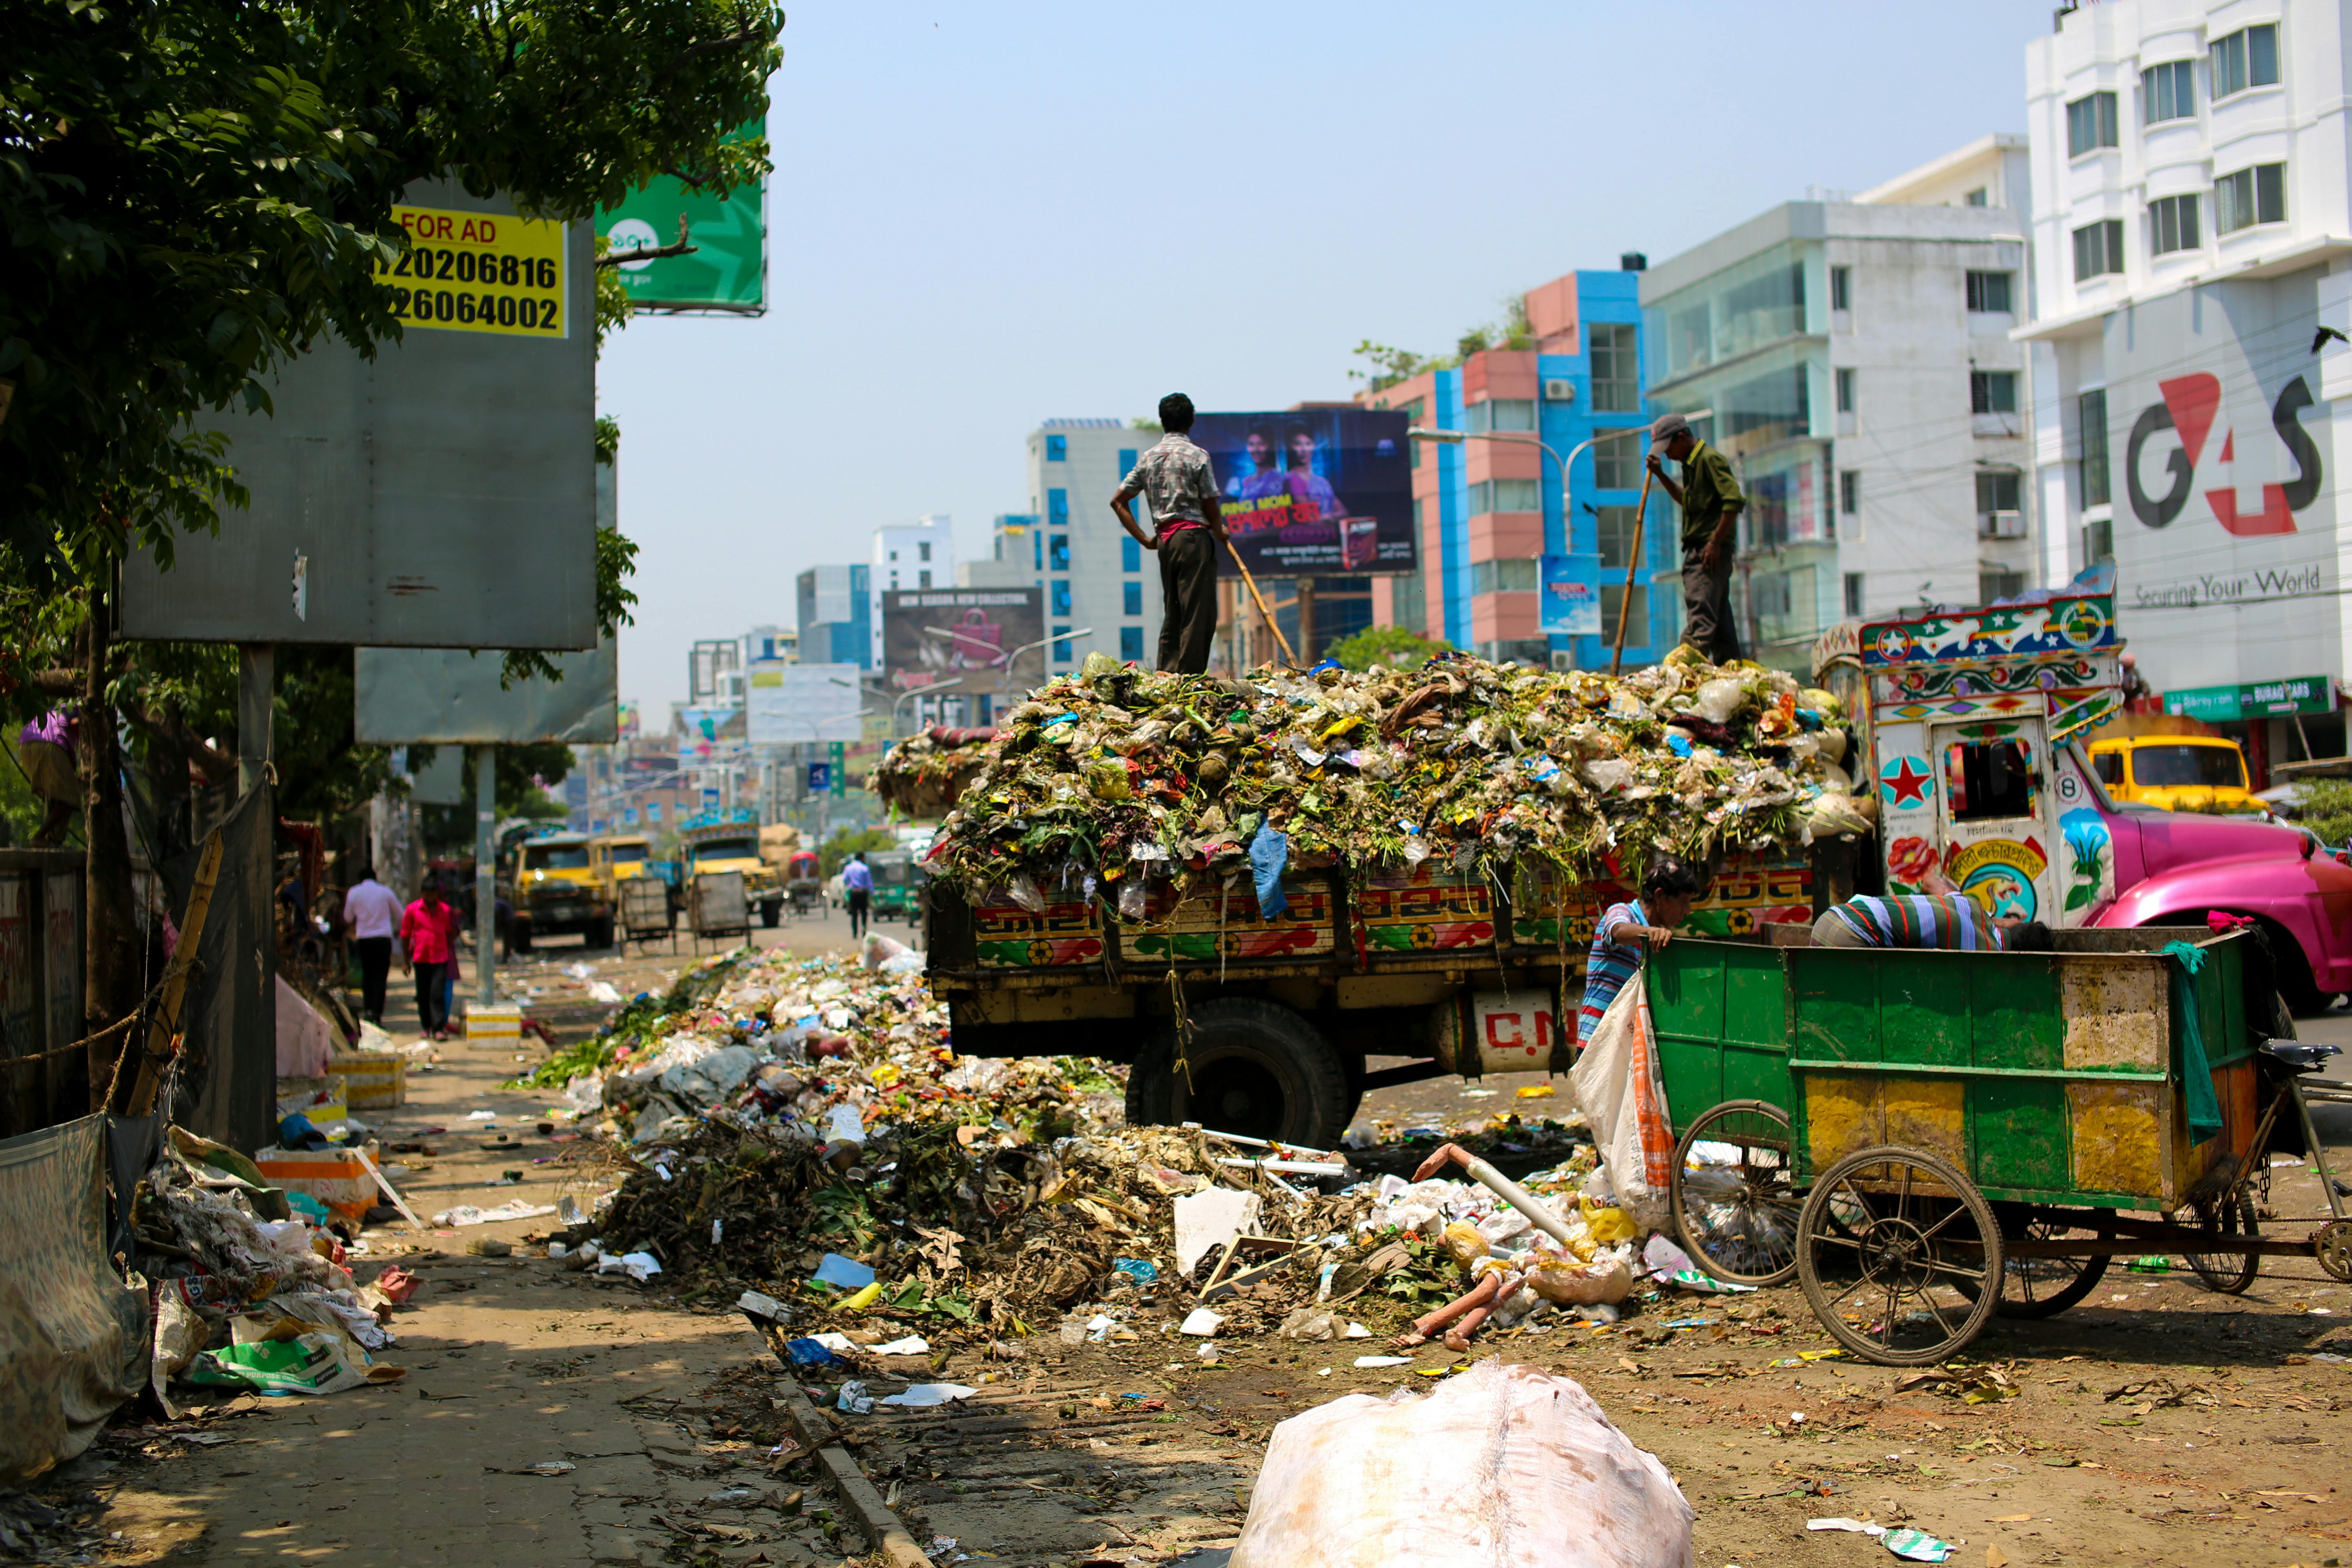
[(2001, 525), (1562, 661), (1560, 391)]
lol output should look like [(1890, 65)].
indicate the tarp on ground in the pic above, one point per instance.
[(73, 1337)]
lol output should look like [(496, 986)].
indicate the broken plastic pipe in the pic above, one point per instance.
[(1293, 1167), (1502, 1186)]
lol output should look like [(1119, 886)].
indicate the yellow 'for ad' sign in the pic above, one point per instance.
[(479, 272)]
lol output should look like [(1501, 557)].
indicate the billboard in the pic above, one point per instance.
[(964, 635), (793, 704), (1314, 492), (728, 271), (1571, 597), (447, 695), (707, 734), (2225, 532), (442, 494)]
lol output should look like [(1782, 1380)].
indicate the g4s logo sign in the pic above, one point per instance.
[(2190, 406)]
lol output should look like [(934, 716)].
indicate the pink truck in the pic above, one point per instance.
[(1969, 724)]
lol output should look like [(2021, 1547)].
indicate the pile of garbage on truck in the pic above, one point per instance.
[(1117, 776), (922, 775)]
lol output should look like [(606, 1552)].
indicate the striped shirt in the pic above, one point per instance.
[(1608, 966), (1920, 920)]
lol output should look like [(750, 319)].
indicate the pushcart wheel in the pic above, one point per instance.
[(2045, 1287), (1734, 1202), (2228, 1272), (1895, 1250)]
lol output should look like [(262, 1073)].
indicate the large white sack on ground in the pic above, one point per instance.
[(1617, 1086), (1503, 1466)]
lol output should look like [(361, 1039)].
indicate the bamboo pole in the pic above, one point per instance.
[(166, 1022), (1633, 565), (1289, 656)]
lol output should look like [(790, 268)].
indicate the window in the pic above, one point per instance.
[(1997, 491), (1615, 526), (1408, 601), (1993, 392), (2098, 249), (1849, 492), (2090, 124), (922, 553), (1617, 459), (2171, 224), (2109, 766), (1058, 448), (1131, 596), (1845, 392), (1503, 577), (1980, 197), (1061, 647), (1999, 582), (1853, 584), (1840, 288), (1130, 644), (922, 579), (1506, 495), (1988, 293), (2245, 59), (2090, 415), (1130, 553), (1504, 414), (2192, 767), (1987, 779), (1616, 375), (2250, 196), (1061, 597), (1057, 552), (1126, 461), (1057, 507), (2099, 541), (1637, 619), (2168, 91)]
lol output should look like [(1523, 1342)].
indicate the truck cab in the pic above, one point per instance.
[(2176, 773), (1978, 728), (559, 888), (729, 841)]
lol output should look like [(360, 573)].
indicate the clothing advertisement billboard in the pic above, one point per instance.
[(961, 639), (1313, 492), (2225, 527)]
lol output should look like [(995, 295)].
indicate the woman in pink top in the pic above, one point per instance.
[(428, 947)]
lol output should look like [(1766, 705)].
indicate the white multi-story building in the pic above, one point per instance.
[(920, 554), (2192, 231), (1855, 355)]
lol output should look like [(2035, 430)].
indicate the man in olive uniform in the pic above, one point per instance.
[(1711, 503)]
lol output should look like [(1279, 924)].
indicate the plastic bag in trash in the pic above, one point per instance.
[(1503, 1466)]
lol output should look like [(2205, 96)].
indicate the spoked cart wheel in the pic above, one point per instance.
[(2044, 1286), (1895, 1250), (2231, 1216), (1735, 1203)]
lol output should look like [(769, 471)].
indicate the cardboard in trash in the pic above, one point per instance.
[(1208, 1220), (336, 1177)]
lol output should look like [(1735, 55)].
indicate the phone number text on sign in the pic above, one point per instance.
[(479, 272)]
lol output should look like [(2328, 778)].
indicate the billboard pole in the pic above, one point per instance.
[(486, 875)]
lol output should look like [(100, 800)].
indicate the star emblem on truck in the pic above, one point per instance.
[(1905, 782)]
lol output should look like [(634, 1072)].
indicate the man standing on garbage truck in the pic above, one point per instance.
[(1711, 503), (1188, 532), (1628, 931)]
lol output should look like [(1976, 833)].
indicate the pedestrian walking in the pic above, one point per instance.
[(857, 888), (46, 749), (1188, 530), (1629, 932), (428, 949), (1711, 503), (372, 914)]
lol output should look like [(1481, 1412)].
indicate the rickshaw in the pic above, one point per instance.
[(805, 883), (1923, 1138)]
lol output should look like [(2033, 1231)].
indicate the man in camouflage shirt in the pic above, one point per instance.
[(1189, 529), (1711, 503)]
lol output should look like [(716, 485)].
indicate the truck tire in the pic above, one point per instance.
[(600, 935), (771, 912), (1257, 1069)]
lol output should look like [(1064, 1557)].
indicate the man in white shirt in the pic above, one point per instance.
[(372, 911)]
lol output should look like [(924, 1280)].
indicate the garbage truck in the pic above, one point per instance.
[(1965, 735)]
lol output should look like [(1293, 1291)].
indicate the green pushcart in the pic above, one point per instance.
[(1923, 1138)]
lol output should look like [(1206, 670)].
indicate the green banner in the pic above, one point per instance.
[(2262, 699), (729, 269)]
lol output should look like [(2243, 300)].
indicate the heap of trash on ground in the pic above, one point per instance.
[(1116, 777)]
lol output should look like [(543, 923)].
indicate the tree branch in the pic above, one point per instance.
[(619, 257), (746, 34)]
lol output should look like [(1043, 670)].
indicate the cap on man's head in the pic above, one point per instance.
[(1665, 428)]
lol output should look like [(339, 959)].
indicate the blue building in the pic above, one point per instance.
[(835, 623), (1488, 505)]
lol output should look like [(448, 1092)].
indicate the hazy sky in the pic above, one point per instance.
[(984, 216)]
